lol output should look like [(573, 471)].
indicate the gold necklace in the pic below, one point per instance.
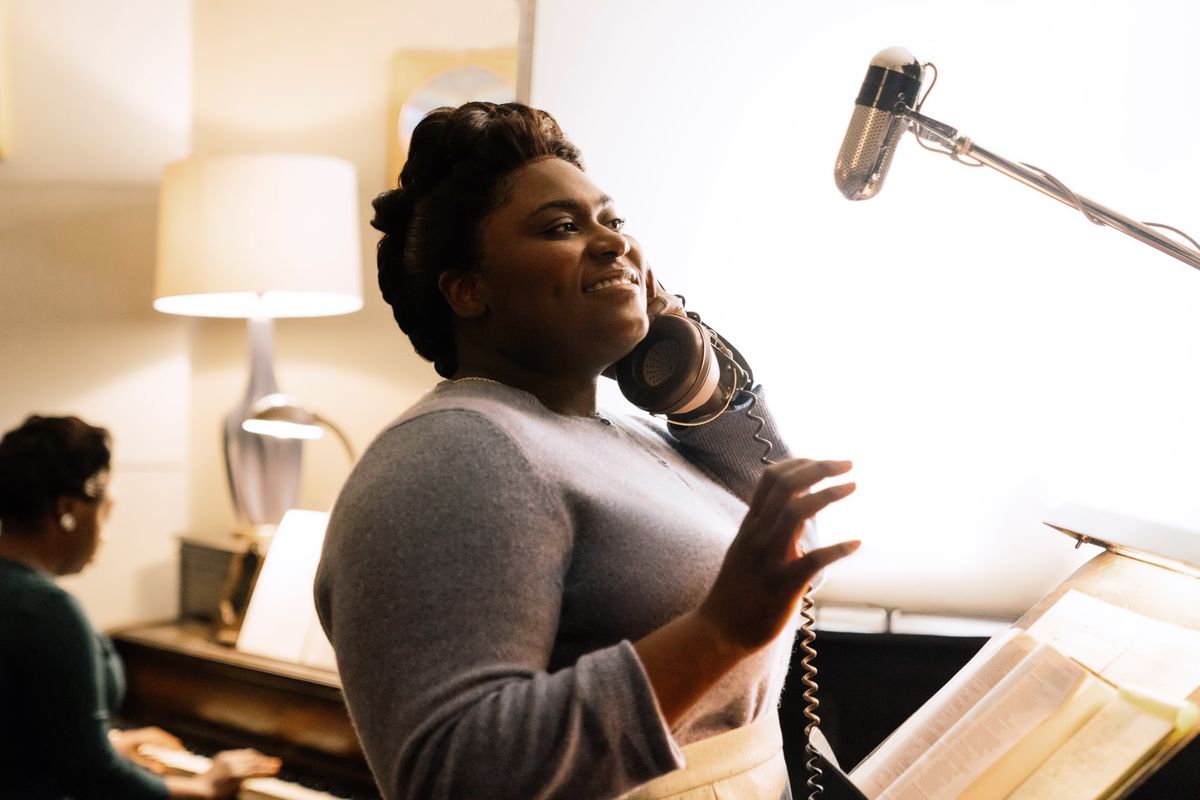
[(480, 379), (475, 378)]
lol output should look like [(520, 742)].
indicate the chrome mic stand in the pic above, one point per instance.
[(960, 148)]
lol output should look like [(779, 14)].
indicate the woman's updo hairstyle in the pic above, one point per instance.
[(47, 458), (458, 159)]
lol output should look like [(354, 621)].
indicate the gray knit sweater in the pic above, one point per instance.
[(486, 568)]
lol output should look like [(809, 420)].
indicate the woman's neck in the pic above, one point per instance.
[(569, 395), (27, 549)]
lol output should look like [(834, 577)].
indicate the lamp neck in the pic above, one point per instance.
[(260, 333)]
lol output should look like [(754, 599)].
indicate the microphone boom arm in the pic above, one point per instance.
[(931, 130)]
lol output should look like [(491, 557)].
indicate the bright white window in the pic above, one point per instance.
[(981, 351)]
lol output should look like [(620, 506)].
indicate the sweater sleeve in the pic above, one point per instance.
[(440, 586), (63, 667), (732, 446)]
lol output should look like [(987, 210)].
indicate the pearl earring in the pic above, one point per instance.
[(67, 522)]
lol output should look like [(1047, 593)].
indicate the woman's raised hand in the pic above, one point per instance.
[(764, 573), (755, 594)]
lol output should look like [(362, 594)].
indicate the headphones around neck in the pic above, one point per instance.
[(682, 368)]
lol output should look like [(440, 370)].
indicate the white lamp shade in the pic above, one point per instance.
[(259, 236)]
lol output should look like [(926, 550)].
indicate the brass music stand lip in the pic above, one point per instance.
[(1144, 540)]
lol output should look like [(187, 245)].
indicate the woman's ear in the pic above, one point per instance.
[(65, 512), (463, 292)]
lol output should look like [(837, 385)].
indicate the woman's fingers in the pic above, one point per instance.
[(790, 521), (248, 763), (779, 533), (781, 482), (806, 568), (158, 736), (755, 592)]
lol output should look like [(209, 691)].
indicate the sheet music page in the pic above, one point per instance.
[(1099, 755), (281, 618), (317, 651), (1087, 629), (1028, 754), (1040, 684), (917, 734), (1164, 659), (1125, 647)]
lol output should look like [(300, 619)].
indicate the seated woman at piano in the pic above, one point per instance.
[(529, 596), (59, 679)]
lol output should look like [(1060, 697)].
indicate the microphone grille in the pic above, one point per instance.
[(867, 152)]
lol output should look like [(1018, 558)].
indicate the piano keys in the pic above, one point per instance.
[(182, 762), (214, 698)]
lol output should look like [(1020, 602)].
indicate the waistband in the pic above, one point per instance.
[(746, 762)]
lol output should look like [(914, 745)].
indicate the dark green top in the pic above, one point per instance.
[(59, 680)]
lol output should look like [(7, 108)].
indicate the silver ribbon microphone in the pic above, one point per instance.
[(893, 77)]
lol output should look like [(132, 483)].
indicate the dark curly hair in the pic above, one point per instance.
[(47, 458), (458, 163)]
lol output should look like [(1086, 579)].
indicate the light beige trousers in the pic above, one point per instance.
[(742, 764)]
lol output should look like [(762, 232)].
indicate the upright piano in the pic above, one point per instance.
[(215, 698)]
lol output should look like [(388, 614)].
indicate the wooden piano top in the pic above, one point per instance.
[(215, 697), (193, 640)]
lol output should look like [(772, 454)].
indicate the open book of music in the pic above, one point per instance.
[(1075, 707)]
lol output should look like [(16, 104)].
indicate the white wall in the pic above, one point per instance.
[(102, 95), (99, 100), (99, 92), (981, 351)]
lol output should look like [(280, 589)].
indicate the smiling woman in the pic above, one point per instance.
[(589, 600), (559, 290)]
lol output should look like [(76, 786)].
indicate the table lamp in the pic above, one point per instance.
[(259, 237)]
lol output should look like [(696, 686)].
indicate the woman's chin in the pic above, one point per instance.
[(628, 343)]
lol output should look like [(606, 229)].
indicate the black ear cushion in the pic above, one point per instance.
[(668, 367)]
